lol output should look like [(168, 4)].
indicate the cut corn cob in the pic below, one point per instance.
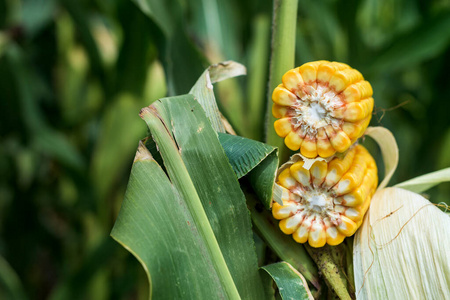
[(326, 203), (323, 108)]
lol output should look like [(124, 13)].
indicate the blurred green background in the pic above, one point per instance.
[(74, 74)]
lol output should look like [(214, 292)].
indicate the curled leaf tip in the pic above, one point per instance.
[(142, 153), (144, 111)]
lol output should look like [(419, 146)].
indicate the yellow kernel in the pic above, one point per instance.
[(300, 174), (309, 148), (292, 80), (317, 236), (357, 91), (284, 211), (279, 111), (339, 140), (286, 180), (343, 78), (318, 172), (338, 167), (324, 147), (302, 233), (347, 227), (326, 70), (293, 140), (282, 96), (309, 72), (283, 126), (290, 225), (355, 174), (357, 111)]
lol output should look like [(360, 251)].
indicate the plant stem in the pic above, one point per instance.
[(329, 269), (257, 76), (182, 181), (282, 59)]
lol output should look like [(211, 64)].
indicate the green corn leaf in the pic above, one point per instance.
[(116, 142), (422, 183), (162, 218), (164, 14), (44, 138), (291, 284), (424, 42), (86, 36), (75, 285), (258, 160), (182, 61), (10, 285), (155, 225), (203, 89)]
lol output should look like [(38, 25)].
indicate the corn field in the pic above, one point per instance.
[(224, 149)]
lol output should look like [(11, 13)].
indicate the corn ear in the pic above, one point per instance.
[(325, 202), (323, 107), (397, 256)]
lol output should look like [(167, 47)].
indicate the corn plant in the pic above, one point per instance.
[(263, 156), (185, 215)]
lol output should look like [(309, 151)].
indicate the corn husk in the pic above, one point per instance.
[(402, 250), (389, 150)]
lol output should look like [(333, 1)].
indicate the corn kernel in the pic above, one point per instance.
[(318, 172), (282, 96), (324, 147), (357, 91), (309, 148), (292, 80), (338, 167), (279, 111), (317, 236), (357, 111), (284, 211), (334, 237), (293, 141), (343, 78), (286, 180), (347, 227), (283, 126), (300, 174)]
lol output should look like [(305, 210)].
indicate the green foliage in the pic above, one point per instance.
[(199, 155), (257, 160), (290, 282), (74, 74)]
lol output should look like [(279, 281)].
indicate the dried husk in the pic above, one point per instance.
[(402, 250)]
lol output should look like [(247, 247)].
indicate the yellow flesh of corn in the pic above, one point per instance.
[(327, 202), (323, 108)]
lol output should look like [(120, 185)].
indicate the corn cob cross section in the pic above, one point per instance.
[(326, 203), (323, 108)]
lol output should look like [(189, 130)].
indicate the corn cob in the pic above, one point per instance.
[(323, 108), (327, 202)]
